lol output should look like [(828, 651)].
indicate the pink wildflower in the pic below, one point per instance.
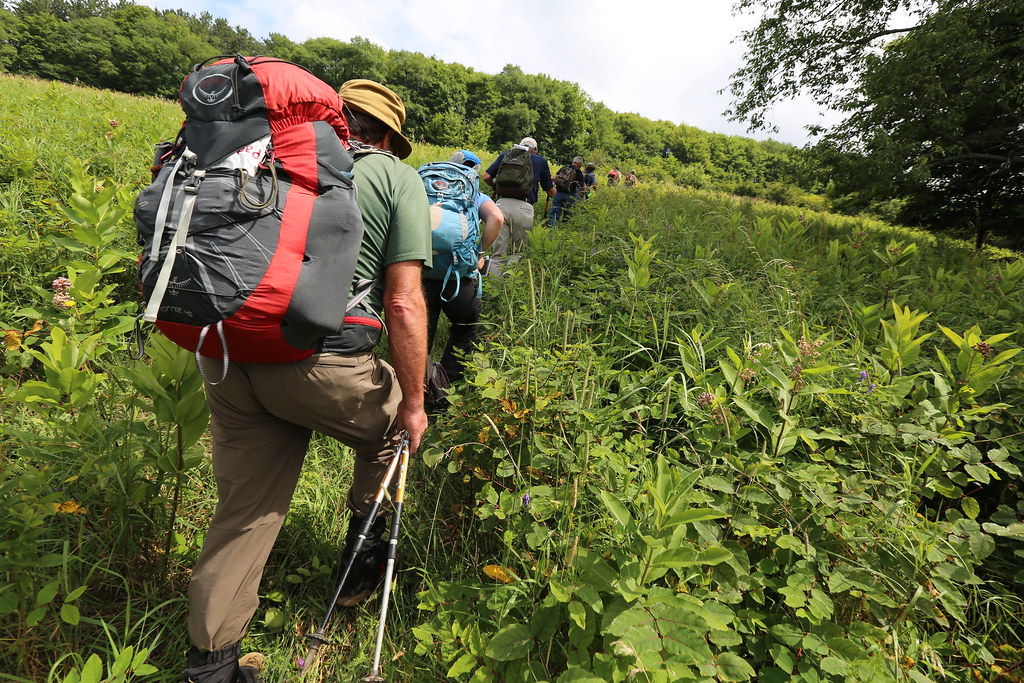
[(63, 301)]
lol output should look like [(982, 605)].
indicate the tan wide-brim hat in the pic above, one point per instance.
[(382, 104)]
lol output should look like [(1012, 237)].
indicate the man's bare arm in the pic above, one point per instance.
[(406, 316)]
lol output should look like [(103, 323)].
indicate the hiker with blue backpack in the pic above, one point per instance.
[(453, 284), (516, 175)]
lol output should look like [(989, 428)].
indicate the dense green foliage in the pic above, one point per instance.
[(138, 50), (703, 438), (931, 90)]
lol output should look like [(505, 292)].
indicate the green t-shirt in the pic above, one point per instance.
[(395, 212)]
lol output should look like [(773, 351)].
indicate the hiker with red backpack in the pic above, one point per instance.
[(569, 185), (453, 283), (516, 176), (263, 414)]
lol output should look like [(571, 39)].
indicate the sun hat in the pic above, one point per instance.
[(463, 156), (382, 104), (591, 165), (578, 160), (529, 142)]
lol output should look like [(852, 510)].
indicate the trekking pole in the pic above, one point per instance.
[(396, 521), (318, 637)]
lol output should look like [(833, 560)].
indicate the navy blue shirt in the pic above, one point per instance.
[(541, 174)]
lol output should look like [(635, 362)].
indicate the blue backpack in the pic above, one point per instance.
[(452, 190)]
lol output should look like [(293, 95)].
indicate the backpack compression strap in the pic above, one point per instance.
[(180, 237)]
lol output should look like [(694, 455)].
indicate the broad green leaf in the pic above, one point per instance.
[(69, 614), (47, 593), (35, 616), (75, 594), (787, 633), (92, 672), (274, 618), (760, 414), (689, 557), (8, 602), (835, 666), (511, 642), (982, 545), (462, 666), (431, 456), (617, 509), (577, 675), (578, 613), (690, 515), (121, 663), (732, 667)]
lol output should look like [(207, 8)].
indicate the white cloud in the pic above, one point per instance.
[(662, 59)]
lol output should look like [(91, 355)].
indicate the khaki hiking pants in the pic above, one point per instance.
[(512, 238), (261, 420)]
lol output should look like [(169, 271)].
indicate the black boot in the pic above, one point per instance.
[(219, 666), (368, 568)]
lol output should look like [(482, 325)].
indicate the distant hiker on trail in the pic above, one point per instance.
[(613, 177), (630, 180), (569, 184), (458, 294), (590, 179), (516, 184), (262, 415)]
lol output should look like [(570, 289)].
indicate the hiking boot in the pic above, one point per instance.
[(249, 667), (222, 666), (369, 565)]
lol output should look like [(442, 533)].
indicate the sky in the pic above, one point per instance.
[(661, 59)]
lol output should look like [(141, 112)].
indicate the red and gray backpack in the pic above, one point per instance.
[(250, 229)]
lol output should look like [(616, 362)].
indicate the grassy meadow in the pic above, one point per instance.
[(703, 438)]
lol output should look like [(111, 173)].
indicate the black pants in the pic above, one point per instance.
[(463, 311)]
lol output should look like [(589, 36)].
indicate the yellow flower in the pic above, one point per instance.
[(499, 573)]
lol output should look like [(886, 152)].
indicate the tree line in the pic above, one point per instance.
[(933, 134), (136, 49)]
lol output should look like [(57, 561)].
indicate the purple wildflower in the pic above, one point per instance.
[(871, 387), (863, 375), (526, 500)]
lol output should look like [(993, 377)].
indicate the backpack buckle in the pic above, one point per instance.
[(191, 186)]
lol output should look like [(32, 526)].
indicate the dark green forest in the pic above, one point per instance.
[(933, 135)]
